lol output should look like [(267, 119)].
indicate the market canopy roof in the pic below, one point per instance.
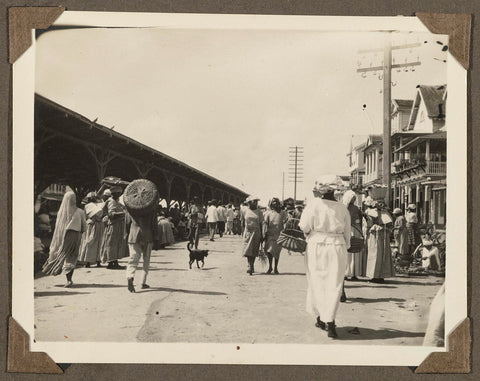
[(71, 149)]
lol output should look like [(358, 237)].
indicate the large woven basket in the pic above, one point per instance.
[(293, 240), (140, 197)]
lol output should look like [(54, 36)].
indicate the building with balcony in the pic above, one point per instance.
[(356, 163), (373, 152), (419, 157)]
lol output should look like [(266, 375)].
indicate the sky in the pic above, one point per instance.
[(231, 102)]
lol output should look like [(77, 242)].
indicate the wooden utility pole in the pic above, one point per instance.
[(295, 169), (387, 120), (386, 70)]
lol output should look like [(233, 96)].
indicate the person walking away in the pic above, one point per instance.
[(326, 224), (230, 217), (221, 218), (412, 227), (195, 218), (356, 262), (252, 234), (379, 226), (115, 242), (212, 219), (93, 236), (273, 225), (65, 245), (143, 233), (400, 234)]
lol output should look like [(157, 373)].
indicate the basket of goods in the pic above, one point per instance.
[(356, 243), (292, 239), (140, 197)]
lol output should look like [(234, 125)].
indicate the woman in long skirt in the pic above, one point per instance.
[(400, 233), (93, 236), (253, 232), (379, 226), (274, 224), (114, 245), (356, 262), (326, 223), (66, 239)]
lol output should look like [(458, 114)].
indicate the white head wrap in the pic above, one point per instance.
[(348, 196)]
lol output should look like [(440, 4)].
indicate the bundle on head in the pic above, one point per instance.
[(140, 197)]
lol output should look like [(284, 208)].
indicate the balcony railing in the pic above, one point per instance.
[(431, 167)]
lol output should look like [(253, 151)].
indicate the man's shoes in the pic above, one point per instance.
[(320, 324), (131, 288), (269, 271), (331, 330), (68, 284), (343, 298), (276, 272), (144, 286)]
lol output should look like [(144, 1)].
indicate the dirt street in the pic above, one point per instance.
[(222, 303)]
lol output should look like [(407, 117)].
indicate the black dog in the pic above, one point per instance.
[(196, 255)]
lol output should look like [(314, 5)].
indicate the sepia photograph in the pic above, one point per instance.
[(235, 185)]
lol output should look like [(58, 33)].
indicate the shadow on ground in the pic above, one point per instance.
[(374, 334), (58, 293), (374, 300), (166, 289), (91, 285)]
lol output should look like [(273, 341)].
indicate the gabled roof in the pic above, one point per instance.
[(404, 104), (434, 99), (373, 140)]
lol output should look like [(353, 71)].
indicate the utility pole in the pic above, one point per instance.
[(295, 169), (386, 70), (283, 186)]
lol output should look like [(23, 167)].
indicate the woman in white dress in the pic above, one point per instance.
[(326, 223)]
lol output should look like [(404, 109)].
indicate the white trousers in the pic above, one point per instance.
[(136, 250), (326, 265)]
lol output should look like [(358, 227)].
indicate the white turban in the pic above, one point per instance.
[(348, 196)]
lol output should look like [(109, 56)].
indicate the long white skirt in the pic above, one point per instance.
[(326, 265)]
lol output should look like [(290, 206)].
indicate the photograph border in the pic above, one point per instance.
[(469, 134)]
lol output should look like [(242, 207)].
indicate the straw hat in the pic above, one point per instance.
[(397, 211), (411, 207)]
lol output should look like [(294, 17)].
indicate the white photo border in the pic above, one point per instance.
[(85, 352)]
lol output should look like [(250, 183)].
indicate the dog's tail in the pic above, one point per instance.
[(189, 247)]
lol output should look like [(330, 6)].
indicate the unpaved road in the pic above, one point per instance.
[(222, 303)]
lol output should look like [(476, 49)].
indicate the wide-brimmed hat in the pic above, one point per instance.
[(411, 207), (251, 199), (397, 211), (107, 192)]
